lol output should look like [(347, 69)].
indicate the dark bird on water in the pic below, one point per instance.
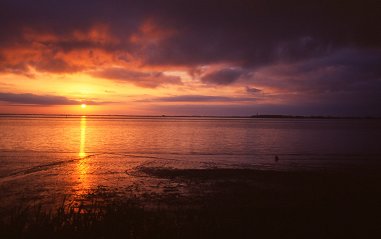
[(276, 158)]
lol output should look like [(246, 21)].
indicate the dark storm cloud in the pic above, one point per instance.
[(347, 70), (142, 79), (347, 82), (254, 32), (33, 99), (261, 32), (199, 98), (223, 77)]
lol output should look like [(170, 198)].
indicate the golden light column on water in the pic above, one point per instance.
[(82, 152), (82, 165)]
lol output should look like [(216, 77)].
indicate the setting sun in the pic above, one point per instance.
[(184, 119)]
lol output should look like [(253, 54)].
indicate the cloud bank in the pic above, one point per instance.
[(302, 55), (33, 99)]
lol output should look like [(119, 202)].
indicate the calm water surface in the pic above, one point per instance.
[(41, 157)]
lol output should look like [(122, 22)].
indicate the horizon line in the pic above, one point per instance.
[(274, 116)]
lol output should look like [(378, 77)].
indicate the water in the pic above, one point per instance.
[(43, 157)]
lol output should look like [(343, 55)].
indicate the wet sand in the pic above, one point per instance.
[(215, 203)]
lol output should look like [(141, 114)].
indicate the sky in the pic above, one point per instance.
[(239, 57)]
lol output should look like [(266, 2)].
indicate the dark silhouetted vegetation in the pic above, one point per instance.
[(225, 203)]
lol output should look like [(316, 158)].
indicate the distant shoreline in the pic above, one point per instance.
[(267, 116), (312, 117)]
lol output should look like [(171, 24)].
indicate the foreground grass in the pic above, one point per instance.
[(289, 206)]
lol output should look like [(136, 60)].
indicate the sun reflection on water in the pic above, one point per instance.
[(82, 152), (82, 165)]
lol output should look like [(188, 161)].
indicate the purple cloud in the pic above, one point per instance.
[(223, 77), (33, 99), (252, 90), (199, 98), (142, 79)]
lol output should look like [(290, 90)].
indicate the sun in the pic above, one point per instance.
[(83, 106)]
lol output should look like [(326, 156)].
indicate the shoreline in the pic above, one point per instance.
[(232, 202)]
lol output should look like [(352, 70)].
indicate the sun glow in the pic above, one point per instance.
[(83, 106)]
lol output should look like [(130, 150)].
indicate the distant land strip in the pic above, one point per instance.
[(259, 116)]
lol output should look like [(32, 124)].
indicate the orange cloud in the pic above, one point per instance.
[(50, 52), (150, 33), (81, 50)]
